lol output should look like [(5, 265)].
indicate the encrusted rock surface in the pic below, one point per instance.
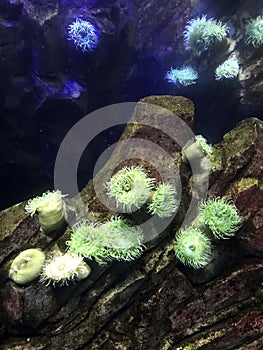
[(153, 302)]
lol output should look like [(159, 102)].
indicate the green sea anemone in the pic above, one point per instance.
[(192, 247), (115, 239), (254, 31), (229, 69), (61, 268), (205, 147), (27, 266), (197, 149), (89, 241), (124, 240), (201, 33), (221, 217), (182, 76), (163, 201), (130, 187), (50, 209)]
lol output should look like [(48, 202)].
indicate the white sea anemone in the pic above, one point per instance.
[(229, 69), (62, 268)]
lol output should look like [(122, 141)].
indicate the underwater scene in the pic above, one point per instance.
[(131, 197)]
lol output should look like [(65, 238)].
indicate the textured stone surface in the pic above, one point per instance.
[(153, 302)]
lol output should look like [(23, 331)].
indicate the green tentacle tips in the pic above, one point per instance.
[(192, 248), (254, 31), (201, 33), (124, 240), (229, 69), (115, 239), (164, 201), (88, 240), (221, 217), (130, 187)]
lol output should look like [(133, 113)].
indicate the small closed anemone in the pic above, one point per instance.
[(221, 217), (254, 31), (124, 240), (88, 240), (202, 33), (130, 187), (184, 76), (229, 69), (197, 149), (163, 201), (27, 266), (84, 34), (50, 209), (192, 248), (61, 269)]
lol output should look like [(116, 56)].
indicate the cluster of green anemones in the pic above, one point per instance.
[(115, 239), (202, 34), (132, 188), (193, 246)]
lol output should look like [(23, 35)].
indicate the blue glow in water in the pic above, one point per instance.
[(73, 89)]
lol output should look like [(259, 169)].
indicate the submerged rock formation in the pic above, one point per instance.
[(47, 84), (153, 302)]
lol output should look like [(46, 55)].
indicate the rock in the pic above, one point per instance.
[(251, 82), (153, 302)]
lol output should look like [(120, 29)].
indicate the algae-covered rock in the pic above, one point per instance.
[(153, 302)]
